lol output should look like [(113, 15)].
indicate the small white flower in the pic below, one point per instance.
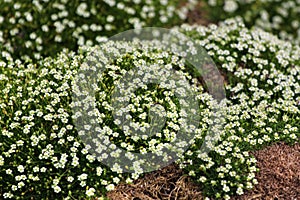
[(57, 189), (110, 187), (70, 179), (20, 168), (90, 192)]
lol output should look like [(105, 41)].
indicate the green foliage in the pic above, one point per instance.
[(42, 155), (43, 27), (262, 76), (277, 16)]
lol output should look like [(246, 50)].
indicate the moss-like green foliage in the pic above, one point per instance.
[(42, 155), (277, 16), (44, 27), (262, 76)]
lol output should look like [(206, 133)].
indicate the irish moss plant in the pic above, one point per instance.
[(42, 155), (275, 16), (43, 28)]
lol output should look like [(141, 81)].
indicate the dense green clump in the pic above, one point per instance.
[(262, 76), (43, 28), (41, 146), (279, 17)]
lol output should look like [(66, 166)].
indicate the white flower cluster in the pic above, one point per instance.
[(278, 17), (41, 147), (262, 76), (43, 28), (38, 142), (141, 105)]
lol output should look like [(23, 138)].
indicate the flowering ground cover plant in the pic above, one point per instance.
[(262, 87), (277, 16), (42, 155), (43, 27)]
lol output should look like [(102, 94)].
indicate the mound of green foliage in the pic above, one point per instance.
[(43, 27), (262, 76), (279, 17), (42, 153), (43, 156)]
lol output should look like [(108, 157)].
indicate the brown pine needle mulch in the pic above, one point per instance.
[(166, 183), (279, 178)]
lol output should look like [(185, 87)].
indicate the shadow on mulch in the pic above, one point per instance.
[(279, 178), (168, 183)]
